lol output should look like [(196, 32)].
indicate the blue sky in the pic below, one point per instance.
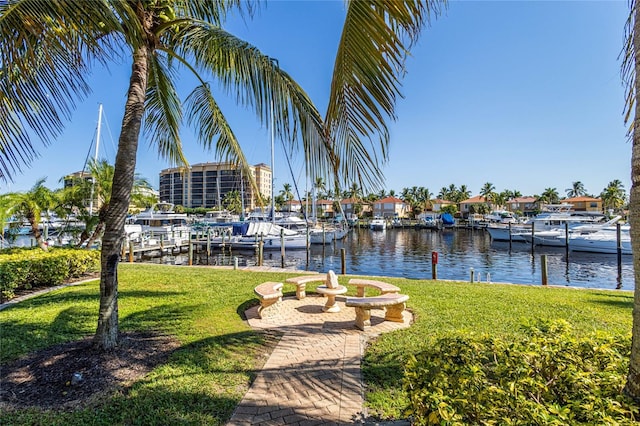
[(524, 95)]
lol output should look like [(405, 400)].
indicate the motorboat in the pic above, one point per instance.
[(603, 241), (162, 220), (219, 217), (378, 224), (557, 237), (500, 216), (552, 217)]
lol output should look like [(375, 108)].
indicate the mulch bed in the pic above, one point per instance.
[(76, 374)]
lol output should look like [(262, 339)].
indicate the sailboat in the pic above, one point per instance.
[(248, 234)]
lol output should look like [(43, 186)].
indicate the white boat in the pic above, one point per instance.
[(247, 236), (604, 241), (500, 216), (219, 217), (378, 224), (557, 237), (161, 220), (552, 217)]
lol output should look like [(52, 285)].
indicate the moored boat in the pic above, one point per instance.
[(378, 224)]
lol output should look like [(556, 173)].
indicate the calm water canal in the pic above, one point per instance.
[(407, 253)]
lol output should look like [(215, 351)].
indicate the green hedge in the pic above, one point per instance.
[(32, 267), (550, 377)]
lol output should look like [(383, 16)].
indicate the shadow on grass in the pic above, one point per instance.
[(242, 308), (69, 324), (202, 383), (84, 295), (621, 301)]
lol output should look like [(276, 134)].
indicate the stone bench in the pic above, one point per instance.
[(382, 287), (270, 295), (301, 283), (394, 303), (331, 288)]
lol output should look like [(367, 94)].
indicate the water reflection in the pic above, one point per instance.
[(407, 253)]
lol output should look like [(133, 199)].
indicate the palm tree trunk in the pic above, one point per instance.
[(632, 387), (94, 236), (106, 336)]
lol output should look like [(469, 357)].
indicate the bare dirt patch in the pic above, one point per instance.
[(76, 374)]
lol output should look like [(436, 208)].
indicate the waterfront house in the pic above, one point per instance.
[(390, 207), (324, 208), (437, 204), (354, 206), (528, 206), (465, 206), (585, 204), (293, 206)]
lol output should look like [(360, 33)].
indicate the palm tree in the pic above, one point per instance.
[(576, 190), (549, 196), (614, 196), (30, 207), (630, 72), (232, 201), (49, 49), (464, 193), (488, 192)]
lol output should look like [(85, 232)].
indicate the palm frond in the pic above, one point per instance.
[(163, 111), (204, 114), (628, 67), (43, 69), (366, 83), (256, 81), (213, 11)]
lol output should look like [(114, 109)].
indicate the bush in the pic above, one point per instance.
[(549, 377), (28, 268)]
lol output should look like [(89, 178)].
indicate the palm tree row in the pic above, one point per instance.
[(420, 198)]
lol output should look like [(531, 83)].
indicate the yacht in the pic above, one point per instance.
[(378, 224), (602, 241), (552, 216), (161, 220)]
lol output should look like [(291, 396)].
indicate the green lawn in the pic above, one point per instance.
[(201, 307)]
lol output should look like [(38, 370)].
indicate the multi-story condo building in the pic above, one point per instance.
[(207, 184)]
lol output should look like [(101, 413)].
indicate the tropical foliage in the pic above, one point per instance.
[(51, 47), (29, 207), (549, 377)]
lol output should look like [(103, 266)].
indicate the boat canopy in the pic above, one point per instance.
[(250, 229)]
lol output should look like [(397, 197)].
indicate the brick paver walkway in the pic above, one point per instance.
[(313, 375)]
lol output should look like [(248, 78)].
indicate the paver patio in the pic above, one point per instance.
[(313, 375)]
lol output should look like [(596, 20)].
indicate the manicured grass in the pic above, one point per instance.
[(204, 381)]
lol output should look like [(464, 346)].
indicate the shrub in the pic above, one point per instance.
[(549, 377), (27, 268)]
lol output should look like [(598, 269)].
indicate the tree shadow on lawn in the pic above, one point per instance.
[(116, 384), (623, 301)]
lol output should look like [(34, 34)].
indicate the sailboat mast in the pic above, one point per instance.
[(95, 156), (273, 136)]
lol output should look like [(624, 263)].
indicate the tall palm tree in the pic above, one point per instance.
[(286, 194), (614, 196), (464, 192), (630, 72), (49, 48), (31, 207), (576, 190), (549, 196), (488, 192)]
